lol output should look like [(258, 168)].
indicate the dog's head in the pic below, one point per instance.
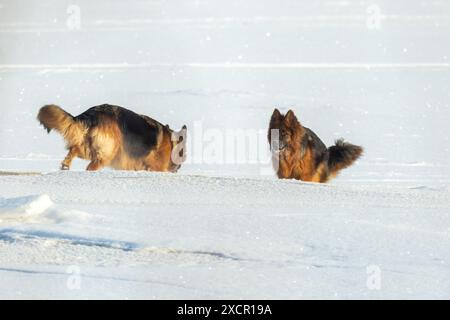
[(288, 129), (178, 155)]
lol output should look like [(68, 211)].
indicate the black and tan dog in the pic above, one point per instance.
[(298, 153), (116, 137)]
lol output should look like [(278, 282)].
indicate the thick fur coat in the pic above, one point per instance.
[(116, 137), (298, 153)]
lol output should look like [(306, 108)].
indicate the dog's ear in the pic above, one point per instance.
[(276, 118), (275, 122), (276, 114), (290, 117), (182, 133)]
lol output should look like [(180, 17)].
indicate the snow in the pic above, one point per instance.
[(229, 230), (36, 209), (33, 205), (149, 235)]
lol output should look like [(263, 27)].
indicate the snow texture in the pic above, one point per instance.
[(373, 72)]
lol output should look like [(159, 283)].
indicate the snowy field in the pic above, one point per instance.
[(374, 72)]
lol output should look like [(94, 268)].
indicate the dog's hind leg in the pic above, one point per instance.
[(95, 165), (100, 157), (322, 174), (104, 144), (67, 162)]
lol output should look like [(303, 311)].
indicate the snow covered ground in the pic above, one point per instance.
[(139, 235), (375, 72)]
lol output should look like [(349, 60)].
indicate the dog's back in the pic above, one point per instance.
[(138, 136), (314, 141)]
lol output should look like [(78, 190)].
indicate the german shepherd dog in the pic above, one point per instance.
[(298, 153), (116, 137)]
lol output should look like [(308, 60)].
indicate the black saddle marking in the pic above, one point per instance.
[(139, 137)]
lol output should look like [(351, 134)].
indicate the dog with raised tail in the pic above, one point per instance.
[(298, 153), (112, 136)]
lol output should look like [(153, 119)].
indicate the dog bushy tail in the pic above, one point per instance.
[(342, 155), (53, 117)]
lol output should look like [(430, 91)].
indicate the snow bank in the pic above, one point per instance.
[(35, 209), (24, 209)]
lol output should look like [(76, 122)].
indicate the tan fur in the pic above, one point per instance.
[(53, 117), (321, 174), (295, 166), (157, 160), (103, 144), (303, 155)]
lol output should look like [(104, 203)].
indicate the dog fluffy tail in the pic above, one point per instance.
[(53, 117), (342, 155)]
